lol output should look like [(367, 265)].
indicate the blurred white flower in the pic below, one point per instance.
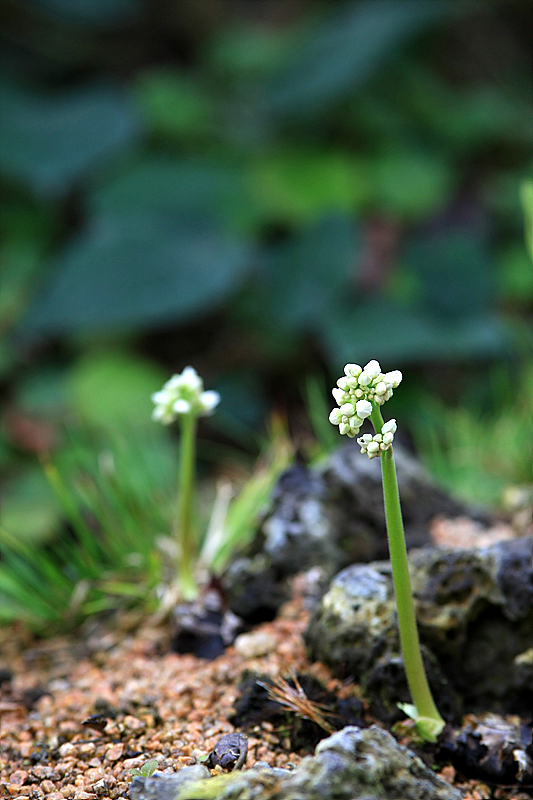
[(183, 394)]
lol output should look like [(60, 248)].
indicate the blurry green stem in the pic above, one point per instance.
[(414, 667), (184, 527)]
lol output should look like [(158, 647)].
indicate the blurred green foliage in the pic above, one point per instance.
[(264, 190)]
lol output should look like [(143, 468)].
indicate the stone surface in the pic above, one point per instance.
[(330, 516), (163, 786), (474, 608), (352, 764)]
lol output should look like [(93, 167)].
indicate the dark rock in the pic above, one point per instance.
[(229, 752), (474, 608), (491, 749), (330, 516), (205, 628), (255, 705)]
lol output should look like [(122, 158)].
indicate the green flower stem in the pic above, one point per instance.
[(184, 527), (414, 667)]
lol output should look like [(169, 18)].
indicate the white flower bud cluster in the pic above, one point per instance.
[(356, 391), (183, 394), (374, 445)]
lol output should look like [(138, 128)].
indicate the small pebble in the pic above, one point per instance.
[(254, 644)]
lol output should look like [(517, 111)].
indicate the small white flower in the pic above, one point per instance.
[(355, 423), (183, 394), (372, 368), (363, 408), (336, 416), (338, 395), (190, 378), (389, 427), (209, 401), (352, 370), (347, 410), (374, 445), (393, 378), (181, 406)]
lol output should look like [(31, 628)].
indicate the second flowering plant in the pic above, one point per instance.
[(360, 394)]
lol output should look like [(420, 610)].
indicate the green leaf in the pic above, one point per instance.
[(242, 50), (456, 272), (91, 12), (526, 195), (307, 275), (515, 274), (30, 511), (174, 105), (301, 184), (412, 184), (174, 187), (346, 49), (113, 388), (56, 139), (388, 332), (138, 270)]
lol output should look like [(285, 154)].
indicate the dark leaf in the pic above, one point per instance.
[(138, 270), (54, 140), (346, 49)]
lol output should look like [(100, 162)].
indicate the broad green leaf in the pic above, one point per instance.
[(455, 271), (243, 50), (388, 332), (55, 139), (174, 105), (346, 48), (113, 388), (412, 184), (307, 275), (300, 185), (174, 187), (91, 12), (138, 270)]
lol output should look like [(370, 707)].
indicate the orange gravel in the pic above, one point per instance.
[(169, 707)]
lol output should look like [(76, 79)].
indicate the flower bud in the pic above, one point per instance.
[(347, 409), (372, 368), (335, 416), (338, 395), (352, 370), (363, 408)]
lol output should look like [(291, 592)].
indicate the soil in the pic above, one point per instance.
[(152, 704)]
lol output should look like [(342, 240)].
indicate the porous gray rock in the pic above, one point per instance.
[(475, 617), (352, 764), (330, 516), (163, 786)]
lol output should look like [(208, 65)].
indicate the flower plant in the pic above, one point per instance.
[(360, 394), (183, 398)]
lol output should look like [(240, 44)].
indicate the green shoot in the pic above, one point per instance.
[(147, 769), (360, 395)]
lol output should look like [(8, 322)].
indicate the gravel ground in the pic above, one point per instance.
[(161, 705)]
